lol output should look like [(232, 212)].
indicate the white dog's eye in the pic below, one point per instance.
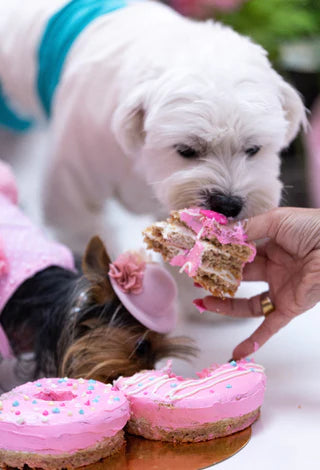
[(186, 152), (251, 151)]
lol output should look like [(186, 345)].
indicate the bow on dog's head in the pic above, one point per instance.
[(118, 325)]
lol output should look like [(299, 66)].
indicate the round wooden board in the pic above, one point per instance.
[(142, 454)]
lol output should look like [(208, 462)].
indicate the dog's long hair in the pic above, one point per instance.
[(76, 325)]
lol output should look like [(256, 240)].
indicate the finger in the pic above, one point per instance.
[(264, 225), (241, 308), (271, 325), (257, 270)]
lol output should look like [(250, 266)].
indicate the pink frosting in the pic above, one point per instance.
[(54, 416), (208, 224), (128, 272), (170, 402)]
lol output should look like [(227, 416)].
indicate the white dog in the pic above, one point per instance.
[(153, 108)]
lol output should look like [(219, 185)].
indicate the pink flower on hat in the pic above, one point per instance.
[(128, 272)]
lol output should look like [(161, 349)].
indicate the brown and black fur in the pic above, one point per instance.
[(77, 327)]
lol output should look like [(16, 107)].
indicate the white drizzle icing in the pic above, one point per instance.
[(203, 384), (188, 265), (210, 384)]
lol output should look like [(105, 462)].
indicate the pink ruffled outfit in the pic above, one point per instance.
[(24, 248)]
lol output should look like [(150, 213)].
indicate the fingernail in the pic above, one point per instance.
[(199, 304)]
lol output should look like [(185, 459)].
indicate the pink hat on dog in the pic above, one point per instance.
[(147, 291)]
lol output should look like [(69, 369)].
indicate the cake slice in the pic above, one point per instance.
[(201, 243)]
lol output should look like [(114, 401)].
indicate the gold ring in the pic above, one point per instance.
[(267, 306)]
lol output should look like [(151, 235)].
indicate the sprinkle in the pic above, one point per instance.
[(38, 384), (69, 384), (81, 381), (18, 412), (228, 386), (55, 410), (51, 403), (69, 413), (211, 391), (45, 413), (140, 385), (173, 385), (15, 403), (88, 392), (92, 381), (44, 419), (90, 387), (248, 359), (81, 412), (75, 386), (116, 399), (145, 393), (233, 363), (151, 378), (26, 398), (34, 402), (60, 381), (1, 405), (92, 408), (87, 403), (96, 400), (252, 369), (20, 420), (62, 404)]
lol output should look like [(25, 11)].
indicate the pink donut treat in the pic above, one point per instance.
[(223, 400), (201, 243), (61, 423)]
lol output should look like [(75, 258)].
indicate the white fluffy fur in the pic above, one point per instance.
[(137, 83)]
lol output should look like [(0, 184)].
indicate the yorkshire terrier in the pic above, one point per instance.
[(101, 321)]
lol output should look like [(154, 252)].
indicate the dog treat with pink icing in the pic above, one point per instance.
[(223, 400), (201, 243), (61, 423)]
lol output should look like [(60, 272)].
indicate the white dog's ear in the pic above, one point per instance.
[(294, 110), (128, 122)]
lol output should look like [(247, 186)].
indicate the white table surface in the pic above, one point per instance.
[(287, 435)]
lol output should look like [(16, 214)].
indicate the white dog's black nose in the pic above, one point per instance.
[(226, 204)]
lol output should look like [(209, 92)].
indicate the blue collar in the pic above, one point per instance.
[(62, 30)]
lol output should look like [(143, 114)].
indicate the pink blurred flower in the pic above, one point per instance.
[(128, 271), (201, 7), (3, 261)]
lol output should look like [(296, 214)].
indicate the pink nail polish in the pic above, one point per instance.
[(198, 303)]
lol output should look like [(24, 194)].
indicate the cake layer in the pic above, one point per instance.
[(170, 402), (199, 242), (55, 416), (197, 433), (105, 448)]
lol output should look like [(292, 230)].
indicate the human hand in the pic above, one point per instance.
[(289, 261)]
